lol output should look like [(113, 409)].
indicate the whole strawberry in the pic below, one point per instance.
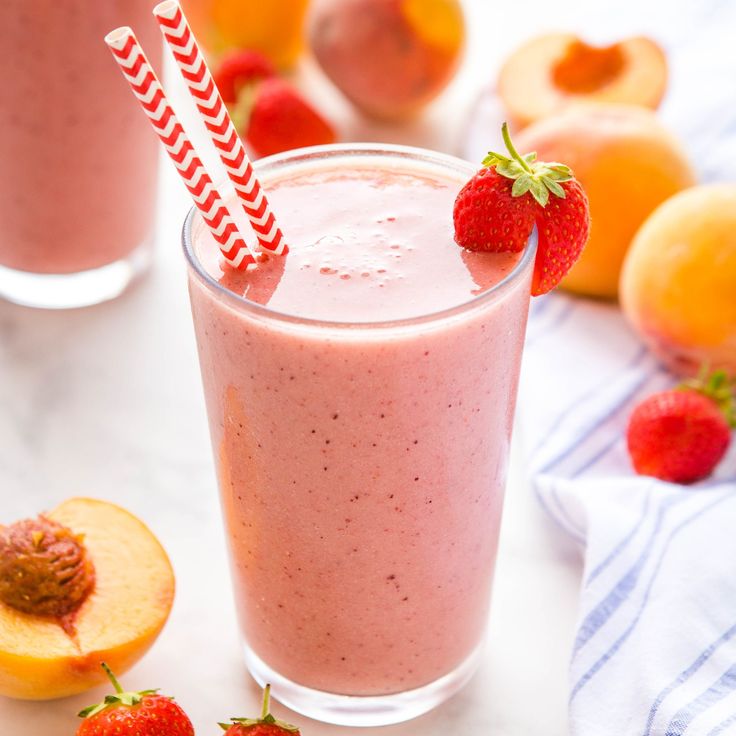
[(281, 119), (142, 713), (238, 69), (266, 725), (681, 435), (496, 210)]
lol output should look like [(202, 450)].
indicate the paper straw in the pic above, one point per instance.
[(145, 85), (191, 63)]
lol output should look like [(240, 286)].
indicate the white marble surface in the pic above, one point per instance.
[(107, 402)]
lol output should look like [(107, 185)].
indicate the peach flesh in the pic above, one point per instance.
[(584, 69), (553, 71), (117, 622)]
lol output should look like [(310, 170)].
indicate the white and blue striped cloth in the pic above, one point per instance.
[(655, 650)]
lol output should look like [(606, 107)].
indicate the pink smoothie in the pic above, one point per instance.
[(362, 465), (78, 180)]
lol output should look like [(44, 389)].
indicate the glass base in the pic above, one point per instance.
[(69, 290), (354, 710)]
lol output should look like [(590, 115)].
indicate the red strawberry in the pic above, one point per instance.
[(281, 119), (681, 435), (239, 68), (489, 218), (496, 211), (134, 714), (563, 226), (266, 725)]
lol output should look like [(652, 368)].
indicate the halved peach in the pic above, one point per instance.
[(117, 621), (549, 72)]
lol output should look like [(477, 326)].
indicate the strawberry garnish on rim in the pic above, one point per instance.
[(143, 713), (497, 209), (266, 725)]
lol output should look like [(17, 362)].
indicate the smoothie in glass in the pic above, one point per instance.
[(78, 189), (360, 393)]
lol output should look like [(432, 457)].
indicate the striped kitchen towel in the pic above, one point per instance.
[(655, 650)]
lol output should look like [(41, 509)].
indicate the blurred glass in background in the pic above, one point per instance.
[(77, 195)]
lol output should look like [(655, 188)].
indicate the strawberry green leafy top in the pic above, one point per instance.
[(529, 175)]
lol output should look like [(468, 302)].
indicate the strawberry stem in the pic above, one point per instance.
[(539, 178), (718, 387), (113, 679), (512, 150), (241, 109), (265, 708), (266, 717)]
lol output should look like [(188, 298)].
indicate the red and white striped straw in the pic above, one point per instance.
[(145, 85), (191, 63)]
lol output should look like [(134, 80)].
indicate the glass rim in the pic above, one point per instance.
[(281, 162)]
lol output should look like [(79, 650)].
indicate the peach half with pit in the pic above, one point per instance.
[(87, 582), (551, 71)]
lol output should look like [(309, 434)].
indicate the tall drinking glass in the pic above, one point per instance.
[(78, 184), (360, 394)]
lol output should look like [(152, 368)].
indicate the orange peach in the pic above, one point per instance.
[(551, 71), (388, 57), (678, 284), (273, 27), (627, 162), (132, 591)]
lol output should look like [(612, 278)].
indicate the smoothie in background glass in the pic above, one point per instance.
[(78, 189), (360, 393)]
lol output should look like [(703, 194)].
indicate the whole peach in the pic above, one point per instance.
[(627, 162), (273, 27), (389, 57), (678, 283)]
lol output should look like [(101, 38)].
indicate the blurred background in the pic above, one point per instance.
[(106, 401), (483, 34)]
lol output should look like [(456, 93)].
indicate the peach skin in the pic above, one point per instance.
[(628, 163), (273, 27), (396, 58), (678, 284)]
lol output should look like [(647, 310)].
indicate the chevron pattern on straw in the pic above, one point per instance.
[(193, 68), (146, 87)]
